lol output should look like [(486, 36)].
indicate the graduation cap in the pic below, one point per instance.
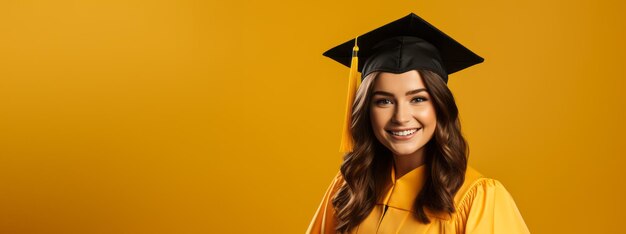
[(406, 44)]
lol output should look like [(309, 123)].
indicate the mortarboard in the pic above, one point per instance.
[(405, 44)]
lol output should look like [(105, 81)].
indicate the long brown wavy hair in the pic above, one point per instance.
[(365, 169)]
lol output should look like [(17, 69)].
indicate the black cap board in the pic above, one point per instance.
[(406, 44)]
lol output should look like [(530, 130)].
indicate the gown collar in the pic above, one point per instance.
[(401, 192)]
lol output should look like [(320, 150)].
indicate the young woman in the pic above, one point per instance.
[(405, 168)]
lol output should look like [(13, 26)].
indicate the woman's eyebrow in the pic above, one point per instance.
[(391, 95)]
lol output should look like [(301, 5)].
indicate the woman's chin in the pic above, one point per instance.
[(405, 151)]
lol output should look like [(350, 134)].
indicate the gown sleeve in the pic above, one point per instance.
[(324, 218), (491, 209)]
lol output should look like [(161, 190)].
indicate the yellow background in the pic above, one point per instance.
[(224, 117)]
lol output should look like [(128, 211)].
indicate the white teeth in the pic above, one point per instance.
[(404, 133)]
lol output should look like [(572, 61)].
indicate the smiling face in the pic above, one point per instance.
[(402, 113)]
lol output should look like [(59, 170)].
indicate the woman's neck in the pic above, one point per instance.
[(406, 163)]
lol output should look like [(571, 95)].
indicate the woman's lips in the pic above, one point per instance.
[(403, 138)]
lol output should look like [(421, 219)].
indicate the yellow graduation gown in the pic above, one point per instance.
[(482, 204)]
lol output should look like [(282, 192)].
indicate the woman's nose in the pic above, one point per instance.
[(402, 114)]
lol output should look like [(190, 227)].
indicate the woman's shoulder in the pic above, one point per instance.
[(335, 184), (323, 220), (337, 180), (479, 192), (475, 184), (478, 189)]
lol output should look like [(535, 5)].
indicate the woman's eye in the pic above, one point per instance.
[(383, 101), (419, 99)]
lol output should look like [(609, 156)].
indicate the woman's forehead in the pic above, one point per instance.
[(398, 83)]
